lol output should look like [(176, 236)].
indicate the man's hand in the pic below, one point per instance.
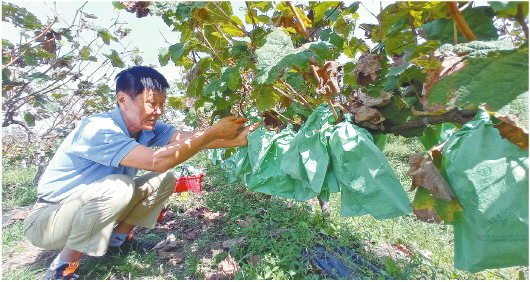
[(226, 128), (241, 138)]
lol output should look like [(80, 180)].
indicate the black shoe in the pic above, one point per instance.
[(131, 245), (63, 272)]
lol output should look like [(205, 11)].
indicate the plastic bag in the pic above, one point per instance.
[(307, 158), (489, 176), (266, 152), (368, 183)]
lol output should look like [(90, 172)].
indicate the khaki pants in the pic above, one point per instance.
[(85, 220)]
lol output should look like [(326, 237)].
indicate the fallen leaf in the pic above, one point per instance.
[(403, 249), (254, 259), (169, 239), (228, 266), (173, 254), (233, 242), (19, 215), (245, 223), (190, 235)]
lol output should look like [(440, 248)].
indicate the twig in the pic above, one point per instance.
[(208, 44), (292, 90), (224, 36), (520, 18), (288, 96), (250, 13), (229, 18), (318, 27)]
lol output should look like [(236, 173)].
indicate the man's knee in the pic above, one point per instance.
[(117, 187)]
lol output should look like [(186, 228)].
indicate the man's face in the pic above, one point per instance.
[(143, 112)]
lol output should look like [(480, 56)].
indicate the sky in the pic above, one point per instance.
[(149, 33)]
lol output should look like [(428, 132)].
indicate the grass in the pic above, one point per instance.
[(279, 231)]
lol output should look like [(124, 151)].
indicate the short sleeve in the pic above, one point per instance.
[(104, 143)]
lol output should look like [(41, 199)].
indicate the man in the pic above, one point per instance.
[(88, 199)]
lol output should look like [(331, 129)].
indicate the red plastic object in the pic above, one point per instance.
[(192, 183), (161, 215)]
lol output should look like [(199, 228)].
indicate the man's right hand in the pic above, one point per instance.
[(226, 128)]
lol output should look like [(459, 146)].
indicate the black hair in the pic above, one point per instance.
[(134, 80)]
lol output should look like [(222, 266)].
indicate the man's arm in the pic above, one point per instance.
[(184, 147), (240, 140)]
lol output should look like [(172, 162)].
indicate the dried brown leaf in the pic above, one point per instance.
[(364, 113), (513, 134), (427, 215), (329, 77), (228, 266), (366, 69), (424, 173)]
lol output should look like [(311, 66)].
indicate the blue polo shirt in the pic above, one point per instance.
[(93, 150)]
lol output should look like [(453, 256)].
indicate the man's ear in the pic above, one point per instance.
[(121, 98)]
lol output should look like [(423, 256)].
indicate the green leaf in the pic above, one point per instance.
[(115, 60), (29, 118), (163, 56), (118, 5), (508, 9), (278, 45), (5, 77), (214, 86), (176, 51), (196, 86), (232, 78), (178, 103), (106, 36), (497, 81), (479, 20), (321, 8), (265, 97), (20, 17)]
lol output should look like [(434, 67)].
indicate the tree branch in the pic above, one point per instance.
[(298, 19), (460, 22), (453, 116)]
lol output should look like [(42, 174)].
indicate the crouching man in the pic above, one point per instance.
[(89, 198)]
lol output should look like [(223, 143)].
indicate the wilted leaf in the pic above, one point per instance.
[(328, 78), (367, 67), (427, 215), (424, 173), (483, 80), (514, 134), (364, 113)]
